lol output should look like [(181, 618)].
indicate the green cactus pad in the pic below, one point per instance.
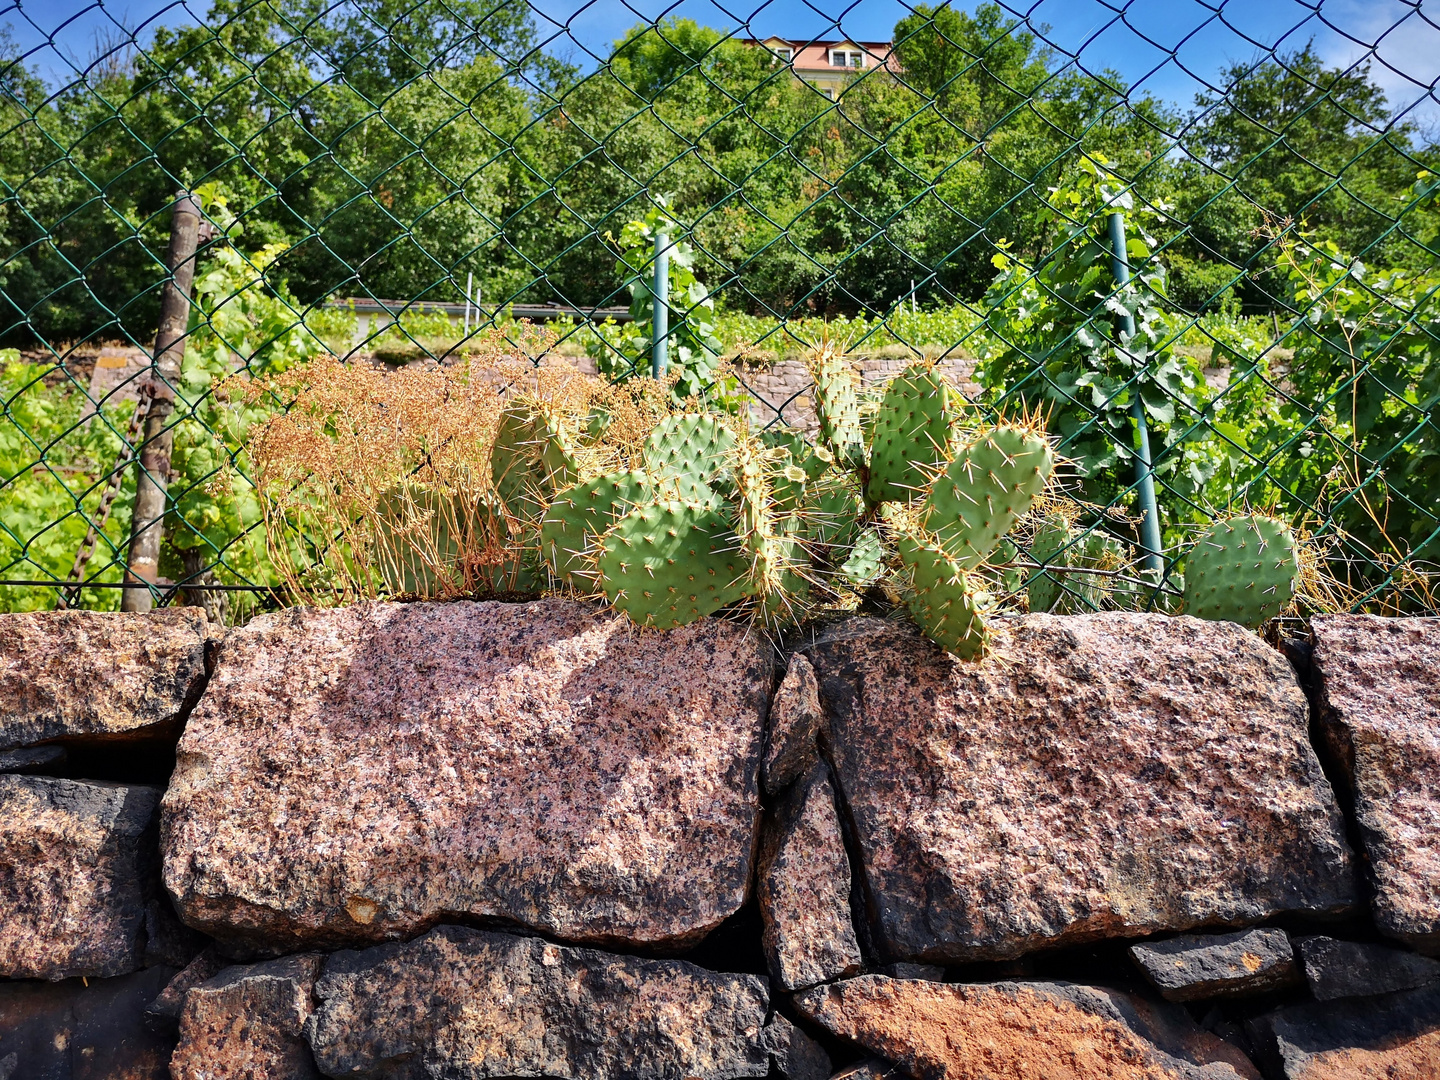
[(914, 429), (1243, 570), (1064, 587), (987, 487), (579, 515), (866, 559), (669, 563), (531, 459), (830, 512), (943, 601), (837, 405), (689, 444)]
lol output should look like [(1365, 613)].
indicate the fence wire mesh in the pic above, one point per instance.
[(398, 182)]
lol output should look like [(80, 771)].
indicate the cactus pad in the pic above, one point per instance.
[(992, 481), (1243, 570), (668, 563), (531, 458), (579, 515), (912, 438), (689, 444), (1064, 586), (866, 559), (943, 600), (837, 405)]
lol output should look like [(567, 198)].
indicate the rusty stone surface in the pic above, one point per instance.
[(97, 674), (1195, 966), (1015, 1031), (70, 1031), (360, 774), (804, 889), (469, 1004), (1096, 776), (1392, 1037), (77, 872), (795, 719), (1379, 708), (247, 1022)]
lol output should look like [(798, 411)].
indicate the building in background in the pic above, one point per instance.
[(830, 65)]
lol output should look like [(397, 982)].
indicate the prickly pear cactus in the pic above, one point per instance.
[(1064, 587), (1244, 569), (866, 560), (912, 438), (580, 514), (987, 487), (531, 459), (943, 598), (668, 563), (837, 406), (756, 523), (689, 444)]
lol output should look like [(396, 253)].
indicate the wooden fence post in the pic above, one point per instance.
[(152, 478)]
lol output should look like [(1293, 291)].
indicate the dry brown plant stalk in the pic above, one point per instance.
[(376, 481)]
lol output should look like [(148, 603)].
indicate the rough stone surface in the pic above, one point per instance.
[(163, 1014), (76, 875), (1379, 707), (96, 674), (247, 1022), (804, 889), (1195, 966), (795, 1054), (469, 1004), (32, 759), (795, 720), (1394, 1037), (1097, 775), (362, 773), (70, 1031), (1010, 1031), (1337, 969)]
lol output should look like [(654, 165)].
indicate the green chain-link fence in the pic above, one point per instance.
[(397, 181)]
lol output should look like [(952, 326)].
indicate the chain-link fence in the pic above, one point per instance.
[(403, 182)]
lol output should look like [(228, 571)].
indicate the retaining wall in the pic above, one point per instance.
[(500, 840)]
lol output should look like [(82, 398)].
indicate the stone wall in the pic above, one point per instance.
[(486, 840)]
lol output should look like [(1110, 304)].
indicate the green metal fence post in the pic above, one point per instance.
[(660, 297), (1144, 470)]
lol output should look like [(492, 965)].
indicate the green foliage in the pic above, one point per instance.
[(53, 470), (693, 346), (1060, 351)]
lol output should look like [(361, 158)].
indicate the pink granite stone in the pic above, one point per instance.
[(363, 773), (804, 889), (469, 1004), (97, 674), (77, 870), (248, 1022), (1095, 776), (1379, 707), (792, 747)]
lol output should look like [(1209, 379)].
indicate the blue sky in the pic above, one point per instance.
[(1132, 37)]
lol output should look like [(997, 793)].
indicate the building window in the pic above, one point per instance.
[(846, 58), (783, 54)]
